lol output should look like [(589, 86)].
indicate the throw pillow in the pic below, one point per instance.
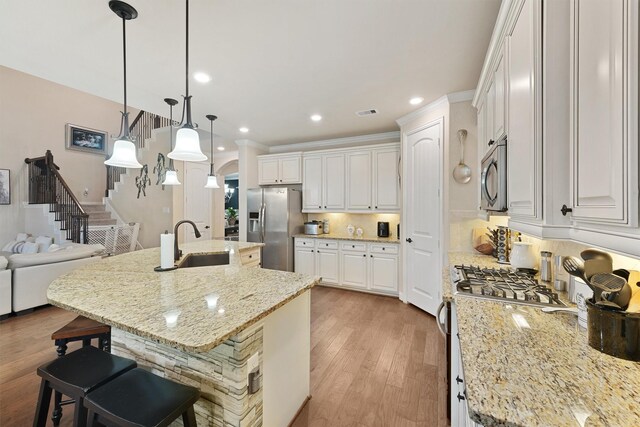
[(47, 241), (3, 263), (30, 248), (14, 247), (21, 237)]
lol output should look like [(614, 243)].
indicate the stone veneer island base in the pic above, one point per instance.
[(204, 326)]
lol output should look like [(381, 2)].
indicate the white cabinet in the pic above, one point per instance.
[(524, 148), (499, 109), (327, 264), (333, 188), (604, 140), (312, 186), (277, 169), (383, 271), (354, 269), (305, 261), (359, 181), (386, 179), (490, 107)]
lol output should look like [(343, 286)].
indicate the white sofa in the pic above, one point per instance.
[(5, 292), (33, 273)]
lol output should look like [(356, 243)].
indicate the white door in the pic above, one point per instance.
[(268, 170), (197, 201), (386, 183), (422, 207), (305, 261), (359, 181), (291, 170), (354, 269), (327, 265), (384, 272), (333, 182), (312, 183)]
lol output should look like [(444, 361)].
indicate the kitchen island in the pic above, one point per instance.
[(205, 326), (523, 367)]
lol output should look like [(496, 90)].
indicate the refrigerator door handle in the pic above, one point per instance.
[(263, 210)]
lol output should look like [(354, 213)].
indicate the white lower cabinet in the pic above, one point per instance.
[(372, 267)]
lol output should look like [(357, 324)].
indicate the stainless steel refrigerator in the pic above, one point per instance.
[(274, 216)]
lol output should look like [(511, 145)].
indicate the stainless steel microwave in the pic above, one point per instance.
[(493, 178)]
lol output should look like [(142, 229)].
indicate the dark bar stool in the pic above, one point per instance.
[(140, 398), (75, 375), (79, 329)]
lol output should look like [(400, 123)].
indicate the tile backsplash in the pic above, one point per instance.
[(338, 222)]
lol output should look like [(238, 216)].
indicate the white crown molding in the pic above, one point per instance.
[(420, 111), (464, 96), (337, 142), (250, 143)]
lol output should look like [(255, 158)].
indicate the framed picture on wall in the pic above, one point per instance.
[(5, 187), (86, 139)]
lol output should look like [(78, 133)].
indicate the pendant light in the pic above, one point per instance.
[(212, 181), (124, 150), (187, 139), (170, 176)]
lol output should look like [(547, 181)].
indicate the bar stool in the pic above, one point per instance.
[(140, 398), (75, 375), (79, 329)]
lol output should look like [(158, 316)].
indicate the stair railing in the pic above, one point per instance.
[(46, 186), (140, 130)]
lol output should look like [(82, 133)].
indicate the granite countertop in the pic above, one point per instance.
[(523, 367), (331, 236), (193, 309)]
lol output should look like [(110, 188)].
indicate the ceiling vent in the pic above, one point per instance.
[(366, 112)]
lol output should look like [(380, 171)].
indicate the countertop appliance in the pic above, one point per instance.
[(383, 229), (493, 178), (274, 216), (313, 228), (503, 285)]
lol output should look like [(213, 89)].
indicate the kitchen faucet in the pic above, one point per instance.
[(177, 253)]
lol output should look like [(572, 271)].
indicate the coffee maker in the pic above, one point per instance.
[(383, 229)]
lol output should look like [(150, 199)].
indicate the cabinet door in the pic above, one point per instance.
[(524, 148), (328, 266), (312, 183), (386, 184), (600, 140), (490, 106), (291, 170), (359, 181), (354, 269), (268, 171), (305, 261), (499, 105), (333, 181), (384, 273)]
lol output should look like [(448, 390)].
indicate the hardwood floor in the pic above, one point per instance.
[(374, 362)]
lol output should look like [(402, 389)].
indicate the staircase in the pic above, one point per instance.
[(98, 215)]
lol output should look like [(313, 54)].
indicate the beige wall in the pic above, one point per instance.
[(33, 114), (338, 222)]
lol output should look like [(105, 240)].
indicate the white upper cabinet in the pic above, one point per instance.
[(333, 182), (604, 113), (490, 109), (274, 169), (312, 183), (386, 179), (524, 147), (499, 107), (359, 181)]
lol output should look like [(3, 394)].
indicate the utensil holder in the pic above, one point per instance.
[(614, 332)]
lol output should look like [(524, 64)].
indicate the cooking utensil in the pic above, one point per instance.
[(608, 282), (596, 261), (462, 172), (575, 267), (621, 298), (622, 273)]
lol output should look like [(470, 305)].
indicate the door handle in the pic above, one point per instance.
[(409, 240), (441, 326), (263, 210)]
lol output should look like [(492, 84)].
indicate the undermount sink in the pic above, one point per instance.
[(204, 260)]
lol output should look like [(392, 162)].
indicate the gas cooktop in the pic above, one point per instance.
[(503, 285)]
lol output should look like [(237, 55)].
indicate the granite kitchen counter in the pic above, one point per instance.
[(192, 309), (523, 367), (331, 236)]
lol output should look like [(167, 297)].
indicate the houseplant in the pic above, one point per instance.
[(232, 215)]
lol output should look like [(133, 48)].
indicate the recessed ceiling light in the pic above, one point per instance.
[(220, 148), (244, 129), (316, 117), (416, 100), (202, 77)]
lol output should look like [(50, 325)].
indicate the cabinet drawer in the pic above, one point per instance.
[(384, 249), (305, 243), (250, 257), (354, 246), (322, 244)]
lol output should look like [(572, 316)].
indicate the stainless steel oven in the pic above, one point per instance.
[(493, 178)]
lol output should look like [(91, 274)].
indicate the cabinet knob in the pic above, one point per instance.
[(318, 251), (364, 255), (319, 207), (276, 180), (371, 256), (280, 180), (250, 256), (353, 246), (312, 250), (458, 379), (369, 207), (325, 207), (376, 207), (409, 240), (461, 397), (326, 244), (565, 210), (491, 142), (383, 249)]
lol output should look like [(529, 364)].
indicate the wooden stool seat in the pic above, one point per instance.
[(139, 398), (79, 327), (75, 375)]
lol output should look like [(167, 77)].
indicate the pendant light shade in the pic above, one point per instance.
[(187, 139), (212, 181), (124, 150), (171, 178)]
